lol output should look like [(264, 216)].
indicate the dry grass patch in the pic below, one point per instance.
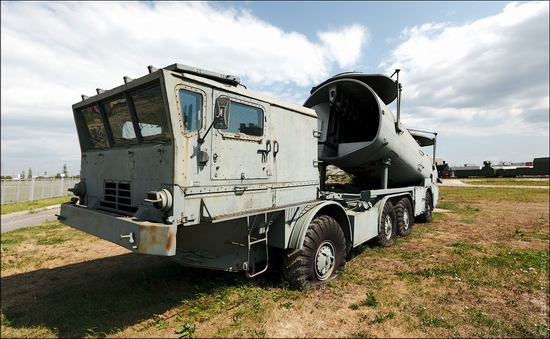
[(480, 270)]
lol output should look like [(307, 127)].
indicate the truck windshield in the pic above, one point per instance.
[(96, 130), (120, 121), (150, 118)]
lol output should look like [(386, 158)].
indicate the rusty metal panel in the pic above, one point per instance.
[(136, 235)]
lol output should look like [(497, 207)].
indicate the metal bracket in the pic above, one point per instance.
[(202, 208), (275, 148), (239, 190), (130, 237), (265, 151)]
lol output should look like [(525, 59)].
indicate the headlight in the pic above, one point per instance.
[(161, 200), (79, 189)]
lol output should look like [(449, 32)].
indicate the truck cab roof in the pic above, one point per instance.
[(223, 78)]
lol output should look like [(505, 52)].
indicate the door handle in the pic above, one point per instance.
[(275, 148), (265, 151)]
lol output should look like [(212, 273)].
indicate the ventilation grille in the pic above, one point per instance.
[(118, 197)]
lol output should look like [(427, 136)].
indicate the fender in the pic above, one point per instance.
[(382, 201), (301, 224)]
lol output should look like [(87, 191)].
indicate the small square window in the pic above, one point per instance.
[(245, 119)]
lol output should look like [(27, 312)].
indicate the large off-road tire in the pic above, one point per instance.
[(322, 255), (387, 226), (405, 217), (427, 215)]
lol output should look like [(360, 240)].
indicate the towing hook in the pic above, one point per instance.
[(60, 217), (129, 236)]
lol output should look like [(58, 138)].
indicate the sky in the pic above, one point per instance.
[(477, 73)]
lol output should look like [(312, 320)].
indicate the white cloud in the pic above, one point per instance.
[(343, 44), (54, 51), (487, 77), (83, 44)]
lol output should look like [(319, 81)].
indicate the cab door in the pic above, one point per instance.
[(242, 152)]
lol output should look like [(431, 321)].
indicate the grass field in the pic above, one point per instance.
[(508, 181), (480, 270), (34, 205)]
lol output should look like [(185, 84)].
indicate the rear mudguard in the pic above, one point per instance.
[(330, 208)]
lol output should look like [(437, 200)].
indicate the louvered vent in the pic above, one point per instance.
[(118, 197)]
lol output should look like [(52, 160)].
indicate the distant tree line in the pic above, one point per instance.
[(30, 175)]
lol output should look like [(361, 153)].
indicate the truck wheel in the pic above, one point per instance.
[(321, 256), (404, 216), (427, 215), (387, 227)]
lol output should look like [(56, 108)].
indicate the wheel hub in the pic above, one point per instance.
[(324, 263), (388, 227), (405, 219)]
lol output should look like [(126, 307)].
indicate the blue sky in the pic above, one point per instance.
[(384, 20), (475, 72)]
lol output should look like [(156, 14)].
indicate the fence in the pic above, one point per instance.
[(33, 189)]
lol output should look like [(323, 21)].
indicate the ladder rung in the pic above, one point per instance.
[(257, 241)]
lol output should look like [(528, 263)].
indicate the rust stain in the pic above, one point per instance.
[(155, 238), (170, 241)]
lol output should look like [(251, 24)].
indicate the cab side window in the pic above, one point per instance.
[(245, 119), (191, 108)]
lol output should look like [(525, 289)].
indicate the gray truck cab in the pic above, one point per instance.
[(183, 146)]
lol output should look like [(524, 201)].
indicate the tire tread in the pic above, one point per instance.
[(297, 263)]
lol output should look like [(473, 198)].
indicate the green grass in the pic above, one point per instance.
[(468, 276), (48, 232), (507, 181), (370, 299), (468, 211), (186, 330), (461, 247), (496, 194), (34, 205), (498, 267)]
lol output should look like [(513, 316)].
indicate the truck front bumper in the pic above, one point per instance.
[(136, 235)]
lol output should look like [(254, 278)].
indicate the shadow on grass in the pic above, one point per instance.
[(105, 296)]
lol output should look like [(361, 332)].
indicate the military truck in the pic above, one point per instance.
[(189, 164)]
